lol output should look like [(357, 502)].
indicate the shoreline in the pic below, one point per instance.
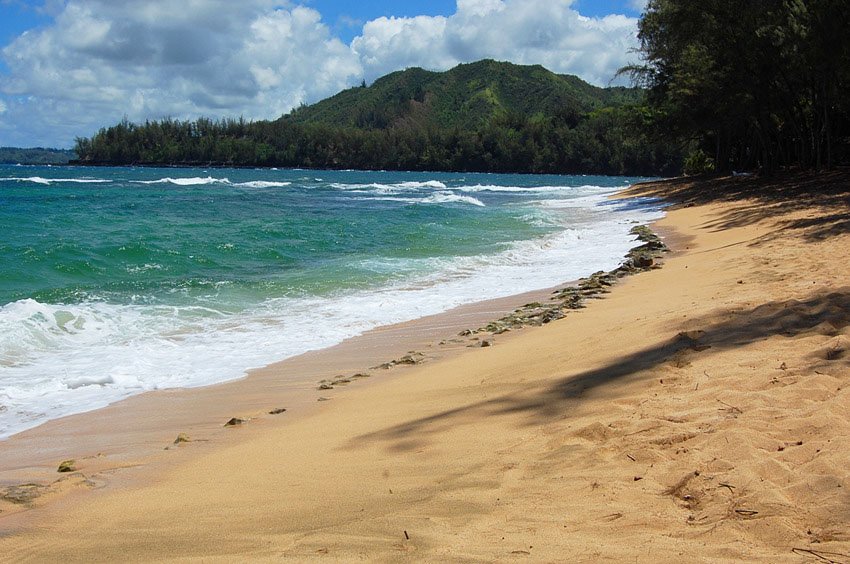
[(81, 377), (199, 411), (121, 435), (698, 411)]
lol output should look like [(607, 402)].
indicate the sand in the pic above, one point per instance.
[(699, 412)]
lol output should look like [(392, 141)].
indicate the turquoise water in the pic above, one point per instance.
[(114, 281)]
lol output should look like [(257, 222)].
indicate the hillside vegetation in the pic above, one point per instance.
[(469, 96), (35, 156), (487, 116)]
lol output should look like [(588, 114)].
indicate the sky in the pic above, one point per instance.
[(70, 67)]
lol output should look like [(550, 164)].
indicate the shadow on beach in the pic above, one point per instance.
[(823, 314), (763, 198)]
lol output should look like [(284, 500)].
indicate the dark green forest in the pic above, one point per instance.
[(756, 85), (35, 156), (721, 85), (485, 116)]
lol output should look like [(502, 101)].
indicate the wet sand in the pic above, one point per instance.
[(135, 431), (698, 413)]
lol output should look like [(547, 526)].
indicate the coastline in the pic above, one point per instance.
[(134, 432), (124, 429), (614, 421), (124, 342)]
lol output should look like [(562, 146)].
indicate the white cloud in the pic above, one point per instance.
[(547, 32), (100, 60)]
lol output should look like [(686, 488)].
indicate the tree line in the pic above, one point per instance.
[(35, 156), (606, 141), (760, 84)]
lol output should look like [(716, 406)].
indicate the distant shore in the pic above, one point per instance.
[(697, 412)]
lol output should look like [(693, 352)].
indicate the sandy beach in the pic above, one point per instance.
[(697, 413)]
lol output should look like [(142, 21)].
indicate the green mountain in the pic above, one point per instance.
[(469, 96), (485, 116), (35, 156)]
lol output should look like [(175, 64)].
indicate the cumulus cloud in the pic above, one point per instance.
[(546, 32), (100, 60)]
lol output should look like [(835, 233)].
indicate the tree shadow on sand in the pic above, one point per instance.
[(824, 314), (764, 198)]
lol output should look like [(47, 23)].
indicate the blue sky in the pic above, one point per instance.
[(17, 17), (69, 67), (344, 17)]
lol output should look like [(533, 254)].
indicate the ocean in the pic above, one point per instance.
[(116, 281)]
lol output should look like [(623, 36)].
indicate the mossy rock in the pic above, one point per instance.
[(67, 466), (22, 494), (182, 438)]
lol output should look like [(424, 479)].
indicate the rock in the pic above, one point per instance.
[(182, 438), (412, 358), (25, 493), (552, 315), (67, 466), (643, 260), (486, 343), (277, 411), (325, 387), (234, 421)]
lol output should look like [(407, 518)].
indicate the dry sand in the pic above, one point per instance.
[(698, 413)]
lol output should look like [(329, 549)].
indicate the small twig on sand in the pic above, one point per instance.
[(732, 407), (822, 556)]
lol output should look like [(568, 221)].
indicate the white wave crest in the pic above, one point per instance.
[(262, 184), (438, 198), (577, 190), (49, 181), (390, 189), (194, 181), (451, 198), (427, 184)]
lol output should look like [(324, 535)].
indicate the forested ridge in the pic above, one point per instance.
[(486, 116), (721, 85), (35, 156)]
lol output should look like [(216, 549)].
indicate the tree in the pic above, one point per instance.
[(756, 84)]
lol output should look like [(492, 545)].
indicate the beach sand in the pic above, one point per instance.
[(699, 412)]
